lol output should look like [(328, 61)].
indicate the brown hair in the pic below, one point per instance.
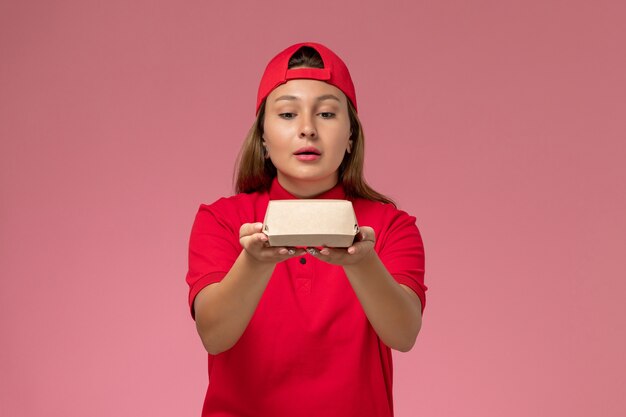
[(253, 172)]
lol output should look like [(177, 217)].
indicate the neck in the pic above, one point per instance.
[(306, 189)]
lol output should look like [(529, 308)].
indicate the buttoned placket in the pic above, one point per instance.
[(304, 274)]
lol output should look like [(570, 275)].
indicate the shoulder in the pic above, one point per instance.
[(235, 205), (231, 212), (391, 224), (377, 212)]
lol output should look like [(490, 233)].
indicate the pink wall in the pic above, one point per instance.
[(499, 124)]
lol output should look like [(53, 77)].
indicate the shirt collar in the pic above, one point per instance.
[(277, 192)]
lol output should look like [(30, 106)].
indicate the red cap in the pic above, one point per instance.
[(335, 72)]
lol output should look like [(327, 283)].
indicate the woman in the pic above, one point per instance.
[(295, 332)]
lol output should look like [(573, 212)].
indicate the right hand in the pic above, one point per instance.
[(256, 243)]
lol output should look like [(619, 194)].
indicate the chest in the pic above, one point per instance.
[(310, 300)]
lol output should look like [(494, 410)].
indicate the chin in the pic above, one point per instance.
[(308, 176)]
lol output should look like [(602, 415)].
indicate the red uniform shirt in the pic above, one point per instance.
[(309, 349)]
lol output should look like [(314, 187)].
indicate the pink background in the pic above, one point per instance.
[(499, 124)]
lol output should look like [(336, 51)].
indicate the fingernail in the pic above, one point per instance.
[(282, 251), (324, 251), (351, 251)]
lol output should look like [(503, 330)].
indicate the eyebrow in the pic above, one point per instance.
[(320, 98)]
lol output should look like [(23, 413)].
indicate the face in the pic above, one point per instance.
[(306, 134)]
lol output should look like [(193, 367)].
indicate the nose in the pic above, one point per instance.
[(307, 127)]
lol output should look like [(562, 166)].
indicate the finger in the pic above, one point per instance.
[(285, 251), (259, 239), (367, 233), (359, 247), (315, 251), (360, 237), (290, 251), (255, 243), (294, 251), (247, 229)]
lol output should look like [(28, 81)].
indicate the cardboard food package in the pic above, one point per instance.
[(312, 223)]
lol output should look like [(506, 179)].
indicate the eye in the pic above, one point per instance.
[(287, 115), (327, 115)]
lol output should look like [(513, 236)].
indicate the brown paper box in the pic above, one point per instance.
[(305, 222)]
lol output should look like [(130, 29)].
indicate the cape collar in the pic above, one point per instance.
[(277, 192)]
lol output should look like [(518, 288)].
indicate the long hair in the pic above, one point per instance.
[(253, 172)]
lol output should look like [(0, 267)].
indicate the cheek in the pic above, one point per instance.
[(342, 139), (277, 144), (276, 134)]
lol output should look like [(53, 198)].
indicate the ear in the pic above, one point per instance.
[(266, 150), (349, 149)]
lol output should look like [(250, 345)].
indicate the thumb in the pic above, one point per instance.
[(248, 229)]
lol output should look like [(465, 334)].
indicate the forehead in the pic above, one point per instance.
[(306, 89)]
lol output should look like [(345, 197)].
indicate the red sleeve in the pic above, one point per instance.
[(402, 252), (213, 248)]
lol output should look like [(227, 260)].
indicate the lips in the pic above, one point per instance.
[(309, 150)]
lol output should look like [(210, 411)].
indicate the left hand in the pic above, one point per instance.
[(362, 247)]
